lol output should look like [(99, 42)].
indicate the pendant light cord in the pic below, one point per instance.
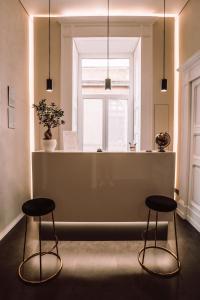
[(49, 38), (108, 36), (164, 29)]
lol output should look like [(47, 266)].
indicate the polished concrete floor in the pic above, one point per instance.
[(106, 270)]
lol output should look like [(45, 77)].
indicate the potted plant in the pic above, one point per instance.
[(50, 116)]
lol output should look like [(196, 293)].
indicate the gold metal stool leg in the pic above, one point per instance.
[(142, 252), (40, 244), (55, 236), (40, 254), (146, 236), (24, 249), (156, 229), (176, 239)]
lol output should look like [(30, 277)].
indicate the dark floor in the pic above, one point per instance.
[(106, 270)]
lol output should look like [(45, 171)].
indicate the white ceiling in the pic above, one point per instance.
[(99, 7), (98, 45)]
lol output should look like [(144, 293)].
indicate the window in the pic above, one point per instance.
[(105, 115), (92, 124)]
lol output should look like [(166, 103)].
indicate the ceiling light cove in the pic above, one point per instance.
[(80, 8), (99, 14)]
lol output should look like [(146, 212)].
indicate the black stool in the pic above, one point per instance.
[(37, 208), (160, 204)]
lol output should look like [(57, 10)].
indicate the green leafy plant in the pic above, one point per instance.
[(49, 115)]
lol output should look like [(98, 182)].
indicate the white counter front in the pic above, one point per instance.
[(102, 187)]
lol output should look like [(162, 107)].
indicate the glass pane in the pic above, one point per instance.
[(117, 125), (94, 72), (92, 124)]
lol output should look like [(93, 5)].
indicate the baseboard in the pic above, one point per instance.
[(193, 217), (10, 226), (189, 213), (181, 209)]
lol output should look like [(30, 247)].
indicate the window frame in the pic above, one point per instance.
[(105, 97)]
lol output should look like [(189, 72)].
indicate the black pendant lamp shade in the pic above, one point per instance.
[(164, 85), (164, 80), (108, 84), (49, 83), (108, 80)]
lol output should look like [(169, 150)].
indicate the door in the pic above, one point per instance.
[(194, 180)]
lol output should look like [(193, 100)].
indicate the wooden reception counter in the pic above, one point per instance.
[(102, 187)]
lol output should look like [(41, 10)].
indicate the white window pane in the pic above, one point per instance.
[(94, 72), (117, 125), (92, 124)]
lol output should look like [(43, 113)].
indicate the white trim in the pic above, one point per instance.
[(10, 226), (67, 17), (181, 209), (105, 97), (189, 64), (80, 106), (147, 107), (193, 217), (97, 29), (130, 135), (105, 123), (189, 71)]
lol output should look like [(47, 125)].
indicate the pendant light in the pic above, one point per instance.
[(49, 87), (164, 80), (108, 80)]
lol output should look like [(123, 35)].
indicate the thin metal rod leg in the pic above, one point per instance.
[(146, 235), (156, 229), (40, 248), (54, 232), (176, 239), (25, 240)]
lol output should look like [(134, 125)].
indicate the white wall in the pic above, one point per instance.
[(14, 143)]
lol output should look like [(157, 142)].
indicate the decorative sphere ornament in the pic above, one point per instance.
[(163, 140)]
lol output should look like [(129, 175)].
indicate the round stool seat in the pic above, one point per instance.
[(161, 203), (38, 207)]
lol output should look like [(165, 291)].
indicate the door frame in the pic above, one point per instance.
[(189, 72), (193, 208)]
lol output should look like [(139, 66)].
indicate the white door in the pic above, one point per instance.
[(194, 180)]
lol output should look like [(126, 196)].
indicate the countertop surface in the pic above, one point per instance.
[(105, 152)]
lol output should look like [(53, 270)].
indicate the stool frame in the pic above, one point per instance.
[(142, 252), (40, 254)]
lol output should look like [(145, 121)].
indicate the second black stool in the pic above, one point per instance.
[(160, 203), (39, 207)]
